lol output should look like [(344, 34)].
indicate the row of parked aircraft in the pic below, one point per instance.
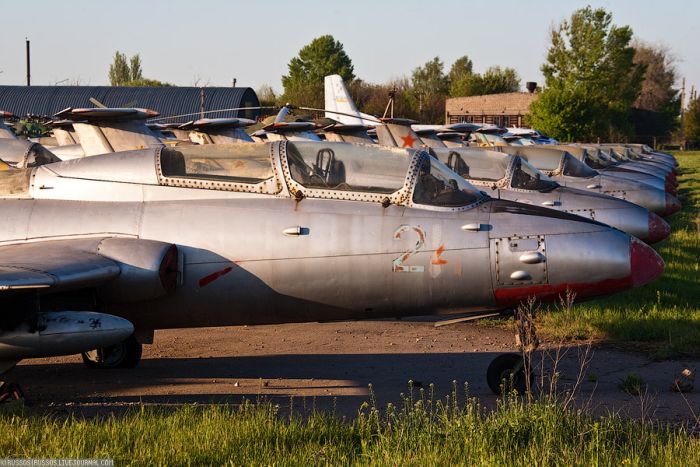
[(115, 228)]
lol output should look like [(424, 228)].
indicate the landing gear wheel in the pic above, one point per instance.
[(507, 371), (10, 392), (125, 354)]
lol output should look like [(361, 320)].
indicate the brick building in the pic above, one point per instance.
[(508, 109)]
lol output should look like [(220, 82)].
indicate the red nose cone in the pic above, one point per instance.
[(673, 205), (658, 229), (645, 263)]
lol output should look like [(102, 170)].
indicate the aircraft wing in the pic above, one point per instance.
[(62, 264), (134, 268)]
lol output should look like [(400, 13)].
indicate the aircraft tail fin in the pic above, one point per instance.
[(338, 99)]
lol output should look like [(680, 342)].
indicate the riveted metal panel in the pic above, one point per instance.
[(515, 263)]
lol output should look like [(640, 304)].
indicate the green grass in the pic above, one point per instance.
[(421, 432), (663, 316)]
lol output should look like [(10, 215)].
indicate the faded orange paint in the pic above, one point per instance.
[(437, 259)]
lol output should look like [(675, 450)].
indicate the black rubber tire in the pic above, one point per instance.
[(126, 354), (507, 369)]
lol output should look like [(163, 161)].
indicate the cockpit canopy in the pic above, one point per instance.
[(437, 185), (573, 167), (495, 167), (238, 163), (482, 165), (552, 161), (23, 154), (348, 167), (319, 170), (524, 176)]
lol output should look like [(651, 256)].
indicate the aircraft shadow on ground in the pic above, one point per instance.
[(341, 378)]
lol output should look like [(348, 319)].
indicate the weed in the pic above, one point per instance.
[(632, 384)]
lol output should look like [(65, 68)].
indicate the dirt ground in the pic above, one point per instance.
[(331, 365)]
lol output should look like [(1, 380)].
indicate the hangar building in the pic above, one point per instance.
[(168, 100)]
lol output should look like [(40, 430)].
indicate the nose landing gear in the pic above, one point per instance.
[(507, 373)]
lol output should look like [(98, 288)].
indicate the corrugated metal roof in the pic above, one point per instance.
[(170, 100)]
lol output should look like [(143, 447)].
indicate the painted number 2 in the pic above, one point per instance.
[(398, 264)]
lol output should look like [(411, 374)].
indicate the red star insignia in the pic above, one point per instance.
[(408, 141)]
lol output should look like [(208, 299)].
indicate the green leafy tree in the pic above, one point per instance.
[(430, 86), (123, 72), (497, 80), (119, 72), (569, 113), (656, 110), (464, 82), (461, 68), (147, 82), (590, 60), (430, 78), (692, 123), (135, 72), (303, 84)]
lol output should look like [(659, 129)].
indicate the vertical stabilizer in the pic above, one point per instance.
[(338, 100)]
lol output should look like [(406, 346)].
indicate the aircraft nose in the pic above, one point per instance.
[(645, 263), (673, 205), (658, 229)]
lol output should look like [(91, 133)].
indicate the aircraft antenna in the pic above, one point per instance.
[(390, 104)]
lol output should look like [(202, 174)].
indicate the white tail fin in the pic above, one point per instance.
[(338, 100)]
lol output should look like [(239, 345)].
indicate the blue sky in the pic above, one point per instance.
[(211, 42)]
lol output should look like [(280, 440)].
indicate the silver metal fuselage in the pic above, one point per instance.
[(240, 264)]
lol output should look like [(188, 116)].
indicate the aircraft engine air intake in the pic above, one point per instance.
[(149, 269)]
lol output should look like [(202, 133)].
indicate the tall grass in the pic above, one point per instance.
[(420, 432), (665, 315)]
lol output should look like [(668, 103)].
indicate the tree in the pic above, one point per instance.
[(129, 73), (119, 72), (692, 122), (430, 79), (135, 72), (323, 56), (372, 99), (462, 68), (464, 82), (568, 114), (430, 86), (590, 60), (496, 80), (266, 96), (147, 82), (656, 109)]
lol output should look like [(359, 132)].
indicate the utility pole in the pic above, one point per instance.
[(29, 75), (682, 125)]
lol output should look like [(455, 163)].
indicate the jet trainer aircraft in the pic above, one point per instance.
[(504, 175), (99, 252)]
